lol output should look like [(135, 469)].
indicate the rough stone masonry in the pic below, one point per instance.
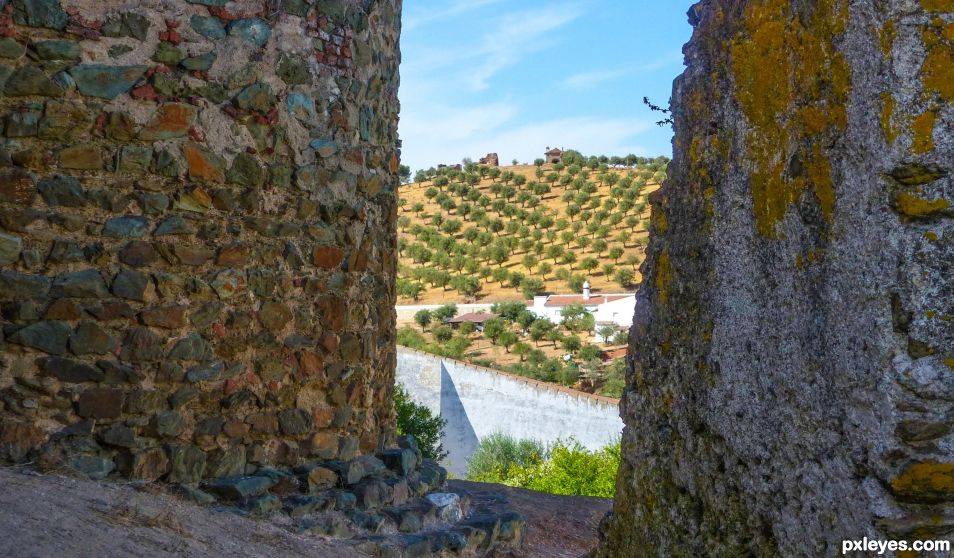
[(793, 374), (197, 207)]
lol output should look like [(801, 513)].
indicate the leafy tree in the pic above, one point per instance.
[(418, 421), (538, 162), (445, 312), (499, 454), (507, 338), (576, 318), (532, 287), (571, 343), (423, 318), (616, 253), (493, 329), (589, 353), (544, 269), (466, 328), (623, 277), (621, 337), (606, 332), (521, 349), (443, 333), (540, 328), (509, 311), (525, 319)]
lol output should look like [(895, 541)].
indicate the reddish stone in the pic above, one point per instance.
[(192, 255), (144, 92), (100, 403), (171, 120), (17, 187), (332, 310), (395, 163), (202, 163), (196, 134), (218, 330), (235, 429), (327, 257), (325, 446), (323, 415), (63, 309), (17, 439), (311, 363), (263, 423), (149, 464), (169, 317), (138, 253), (235, 255), (81, 157), (330, 341), (321, 478)]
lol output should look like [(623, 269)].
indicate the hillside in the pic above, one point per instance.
[(501, 233)]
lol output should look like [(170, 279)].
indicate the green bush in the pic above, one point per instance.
[(564, 468), (419, 422), (499, 454)]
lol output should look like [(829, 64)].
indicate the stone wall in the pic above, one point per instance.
[(477, 402), (197, 207), (793, 374)]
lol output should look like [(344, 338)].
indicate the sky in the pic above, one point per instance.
[(517, 76)]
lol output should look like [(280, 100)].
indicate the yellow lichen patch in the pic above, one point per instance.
[(663, 277), (948, 32), (793, 88), (820, 174), (938, 5), (888, 34), (931, 235), (887, 113), (923, 129), (949, 362), (938, 69), (659, 221), (928, 481), (913, 206)]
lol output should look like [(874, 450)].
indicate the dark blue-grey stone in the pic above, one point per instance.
[(205, 372), (130, 284), (62, 190), (168, 424), (193, 347), (10, 48), (252, 30), (47, 336), (141, 345), (188, 463), (15, 286), (105, 82), (23, 124), (57, 50), (40, 13), (295, 422), (29, 81), (127, 226), (174, 225), (93, 466), (208, 27), (87, 283), (68, 370), (239, 488)]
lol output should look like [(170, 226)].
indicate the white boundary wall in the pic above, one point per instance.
[(477, 402)]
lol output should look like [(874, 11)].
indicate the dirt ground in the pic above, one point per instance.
[(45, 516)]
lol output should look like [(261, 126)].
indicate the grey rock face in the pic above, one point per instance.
[(792, 356)]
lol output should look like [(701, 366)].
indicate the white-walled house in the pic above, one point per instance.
[(616, 308)]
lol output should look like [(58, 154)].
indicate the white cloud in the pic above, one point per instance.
[(413, 20), (588, 80)]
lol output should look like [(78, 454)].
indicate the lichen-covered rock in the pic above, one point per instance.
[(791, 378)]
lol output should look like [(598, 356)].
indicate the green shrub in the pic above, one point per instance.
[(419, 422), (564, 468), (499, 453)]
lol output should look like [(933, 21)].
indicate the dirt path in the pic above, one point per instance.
[(557, 526), (51, 515)]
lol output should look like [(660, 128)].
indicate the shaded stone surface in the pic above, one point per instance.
[(789, 327)]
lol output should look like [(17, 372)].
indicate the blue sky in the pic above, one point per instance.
[(516, 76)]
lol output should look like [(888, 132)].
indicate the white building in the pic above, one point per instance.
[(615, 308)]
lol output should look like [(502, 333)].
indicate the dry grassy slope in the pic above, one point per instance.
[(552, 203)]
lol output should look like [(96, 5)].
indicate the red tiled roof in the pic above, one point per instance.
[(564, 300), (471, 317), (554, 151)]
